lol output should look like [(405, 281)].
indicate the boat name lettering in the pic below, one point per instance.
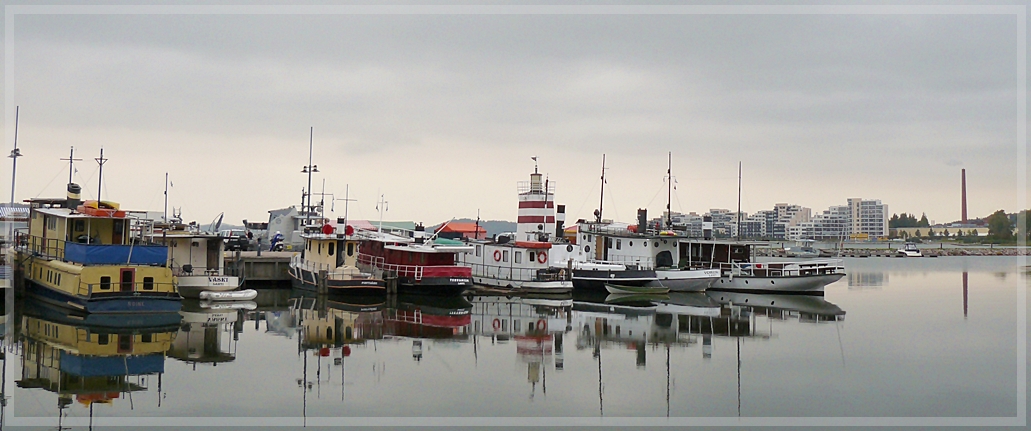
[(218, 280)]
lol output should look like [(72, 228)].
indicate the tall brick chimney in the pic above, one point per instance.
[(964, 211)]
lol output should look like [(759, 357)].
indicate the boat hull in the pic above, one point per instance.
[(303, 279), (107, 303), (636, 290), (805, 284), (434, 285), (686, 280), (553, 286), (595, 279), (191, 286)]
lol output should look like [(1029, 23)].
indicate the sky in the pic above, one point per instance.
[(440, 114)]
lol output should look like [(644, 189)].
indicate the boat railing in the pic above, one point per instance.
[(518, 274), (188, 270), (641, 262), (782, 269), (333, 273), (415, 271), (115, 286), (48, 248)]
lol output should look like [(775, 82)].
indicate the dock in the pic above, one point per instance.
[(269, 267)]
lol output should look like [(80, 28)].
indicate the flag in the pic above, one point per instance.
[(534, 158)]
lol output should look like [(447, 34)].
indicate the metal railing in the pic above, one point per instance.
[(415, 271), (332, 273), (781, 269), (517, 274), (40, 247)]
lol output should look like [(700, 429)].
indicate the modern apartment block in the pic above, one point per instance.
[(859, 220)]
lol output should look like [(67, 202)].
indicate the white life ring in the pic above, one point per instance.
[(497, 255), (497, 324), (542, 257), (542, 325)]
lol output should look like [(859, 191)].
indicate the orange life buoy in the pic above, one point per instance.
[(497, 324), (542, 325), (542, 257), (497, 255)]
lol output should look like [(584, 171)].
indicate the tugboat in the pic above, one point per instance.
[(79, 255), (418, 265), (520, 262), (337, 254)]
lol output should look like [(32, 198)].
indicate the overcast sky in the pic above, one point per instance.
[(441, 114)]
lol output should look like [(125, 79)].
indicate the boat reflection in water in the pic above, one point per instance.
[(209, 332), (92, 358), (535, 323)]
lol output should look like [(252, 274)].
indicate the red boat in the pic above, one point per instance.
[(426, 268)]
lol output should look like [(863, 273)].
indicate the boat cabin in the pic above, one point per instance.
[(332, 250)]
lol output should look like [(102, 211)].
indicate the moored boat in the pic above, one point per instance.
[(418, 266), (335, 255), (909, 250), (636, 290), (740, 272), (76, 256), (195, 257)]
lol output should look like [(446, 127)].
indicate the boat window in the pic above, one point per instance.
[(656, 243), (619, 244), (518, 257), (146, 338), (105, 282), (320, 248), (350, 249), (102, 339), (532, 257), (332, 248), (631, 243), (148, 283), (477, 251), (504, 256)]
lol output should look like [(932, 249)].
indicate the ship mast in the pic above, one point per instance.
[(669, 191), (597, 214)]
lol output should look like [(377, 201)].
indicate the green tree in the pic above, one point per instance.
[(946, 233), (930, 233), (1024, 224), (999, 226), (917, 233), (923, 221)]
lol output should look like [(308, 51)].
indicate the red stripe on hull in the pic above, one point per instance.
[(536, 219)]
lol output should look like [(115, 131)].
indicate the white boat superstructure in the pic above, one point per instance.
[(196, 258), (524, 260)]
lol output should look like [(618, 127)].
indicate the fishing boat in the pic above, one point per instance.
[(521, 261), (80, 255), (196, 258), (419, 265), (336, 256), (739, 270), (909, 250)]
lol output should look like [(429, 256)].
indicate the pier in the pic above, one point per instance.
[(265, 266)]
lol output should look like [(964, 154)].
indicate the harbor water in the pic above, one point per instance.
[(911, 338)]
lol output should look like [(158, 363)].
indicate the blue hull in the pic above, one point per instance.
[(107, 304)]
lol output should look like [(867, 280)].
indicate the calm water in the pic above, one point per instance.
[(896, 337)]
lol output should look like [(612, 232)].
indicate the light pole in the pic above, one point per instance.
[(309, 169)]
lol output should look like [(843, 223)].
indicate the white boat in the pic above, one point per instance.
[(803, 249), (196, 257), (740, 272), (238, 295), (909, 250), (522, 262), (636, 290)]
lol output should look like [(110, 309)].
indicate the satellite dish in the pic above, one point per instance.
[(217, 223)]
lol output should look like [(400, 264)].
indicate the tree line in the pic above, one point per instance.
[(908, 220)]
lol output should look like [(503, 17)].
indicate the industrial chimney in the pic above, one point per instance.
[(964, 210)]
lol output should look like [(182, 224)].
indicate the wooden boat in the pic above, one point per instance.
[(337, 255), (86, 260), (615, 288), (420, 267), (196, 258)]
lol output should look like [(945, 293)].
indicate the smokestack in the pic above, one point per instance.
[(964, 210), (707, 227), (642, 221), (560, 221), (73, 196)]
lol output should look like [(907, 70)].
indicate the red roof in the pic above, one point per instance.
[(461, 227)]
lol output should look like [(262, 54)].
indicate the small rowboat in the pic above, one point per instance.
[(615, 288), (235, 295)]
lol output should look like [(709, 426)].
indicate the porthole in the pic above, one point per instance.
[(587, 249), (631, 243), (656, 243)]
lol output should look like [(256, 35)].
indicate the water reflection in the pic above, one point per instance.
[(209, 333), (867, 279), (91, 359)]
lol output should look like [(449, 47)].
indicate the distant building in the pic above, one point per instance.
[(459, 230), (13, 217), (868, 219)]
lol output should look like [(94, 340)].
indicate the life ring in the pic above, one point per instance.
[(497, 324), (542, 325), (542, 257), (497, 255)]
